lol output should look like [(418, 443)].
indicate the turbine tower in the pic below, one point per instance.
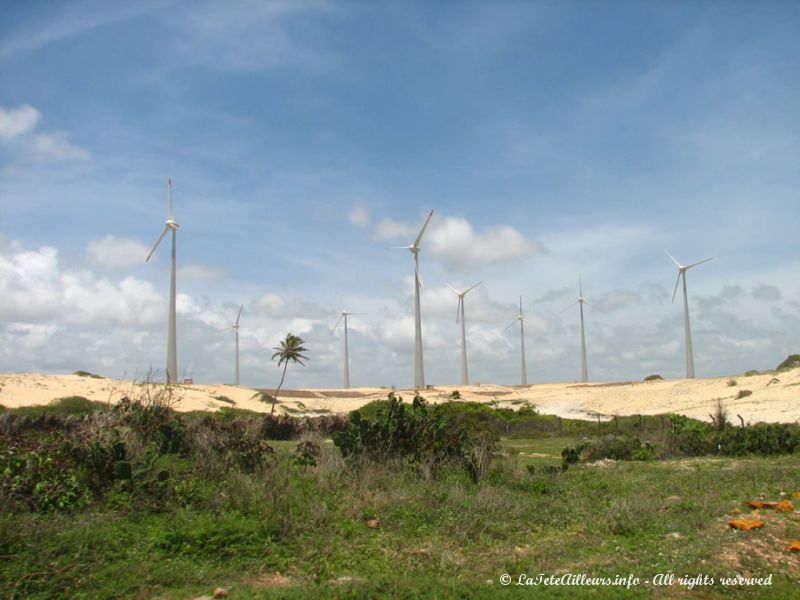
[(687, 330), (236, 329), (580, 302), (419, 368), (460, 315), (343, 318), (172, 353), (521, 319)]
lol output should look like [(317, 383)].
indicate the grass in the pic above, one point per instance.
[(544, 451), (300, 533)]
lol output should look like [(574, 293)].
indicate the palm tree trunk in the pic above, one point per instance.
[(275, 397)]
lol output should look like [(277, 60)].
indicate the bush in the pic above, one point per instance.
[(616, 447), (792, 361), (654, 378), (416, 433)]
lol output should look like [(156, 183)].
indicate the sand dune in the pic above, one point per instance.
[(774, 398)]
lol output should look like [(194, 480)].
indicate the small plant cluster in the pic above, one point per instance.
[(615, 447), (416, 432), (690, 437)]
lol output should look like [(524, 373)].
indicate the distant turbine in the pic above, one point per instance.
[(580, 302), (460, 315), (687, 330), (172, 353), (236, 328), (521, 319), (419, 368), (343, 317)]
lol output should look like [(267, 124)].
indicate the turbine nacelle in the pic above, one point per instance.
[(682, 270)]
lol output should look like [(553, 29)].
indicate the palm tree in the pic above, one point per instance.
[(291, 349)]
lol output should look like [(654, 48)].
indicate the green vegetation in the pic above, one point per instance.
[(135, 500), (87, 374)]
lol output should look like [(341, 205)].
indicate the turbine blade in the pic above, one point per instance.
[(700, 262), (337, 323), (514, 322), (580, 287), (458, 308), (239, 316), (161, 237), (401, 247), (563, 310), (677, 264), (520, 306), (455, 290), (470, 289), (676, 287), (416, 270), (421, 231), (169, 206)]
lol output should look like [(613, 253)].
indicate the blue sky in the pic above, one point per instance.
[(554, 140)]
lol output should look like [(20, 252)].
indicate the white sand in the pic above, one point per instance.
[(775, 402)]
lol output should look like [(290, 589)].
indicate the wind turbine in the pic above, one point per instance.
[(343, 317), (580, 302), (687, 330), (236, 329), (521, 320), (419, 368), (460, 315), (172, 353)]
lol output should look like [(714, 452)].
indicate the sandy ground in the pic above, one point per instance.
[(775, 397)]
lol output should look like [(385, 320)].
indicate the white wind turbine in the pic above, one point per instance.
[(580, 302), (460, 315), (172, 353), (343, 318), (521, 319), (236, 329), (419, 368), (687, 330)]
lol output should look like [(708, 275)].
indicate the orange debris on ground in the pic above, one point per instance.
[(745, 524), (795, 546), (796, 494), (782, 506)]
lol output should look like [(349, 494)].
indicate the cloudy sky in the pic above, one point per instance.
[(305, 139)]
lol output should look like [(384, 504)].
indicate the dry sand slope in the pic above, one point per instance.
[(775, 397)]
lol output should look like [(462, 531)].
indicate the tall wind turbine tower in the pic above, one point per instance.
[(419, 368), (584, 367), (343, 318), (687, 330), (460, 316), (172, 353), (521, 319), (236, 329), (580, 302)]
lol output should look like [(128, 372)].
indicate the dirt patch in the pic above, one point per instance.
[(271, 580), (342, 394), (290, 393)]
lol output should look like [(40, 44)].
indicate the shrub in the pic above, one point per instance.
[(416, 433), (792, 361), (654, 378), (743, 394)]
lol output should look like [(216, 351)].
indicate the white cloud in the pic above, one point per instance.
[(455, 242), (17, 121), (768, 293), (43, 147), (358, 216), (18, 129), (197, 271), (111, 252), (390, 229)]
